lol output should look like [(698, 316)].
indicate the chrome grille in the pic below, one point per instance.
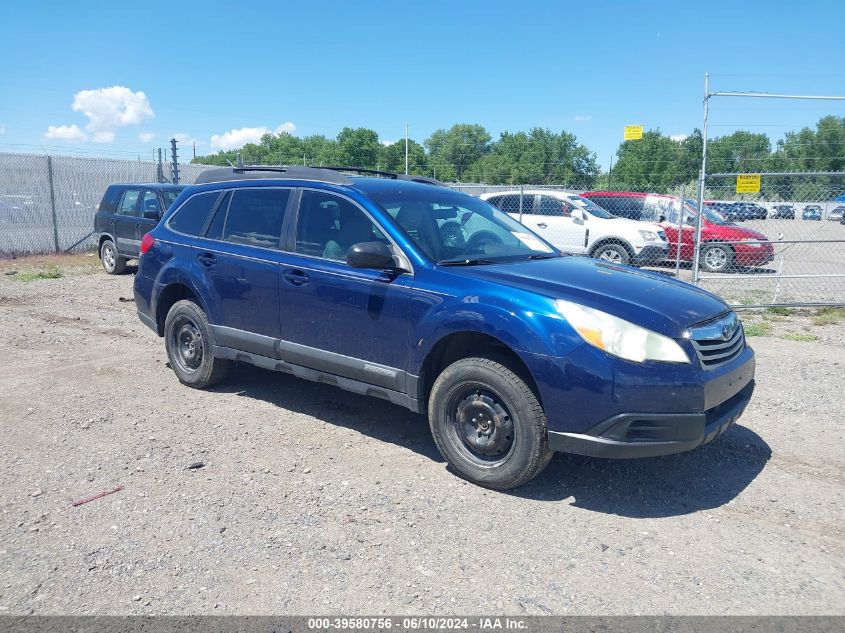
[(718, 342)]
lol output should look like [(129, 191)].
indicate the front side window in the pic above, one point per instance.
[(129, 202), (454, 228), (554, 206), (150, 205), (255, 217), (190, 218), (329, 225)]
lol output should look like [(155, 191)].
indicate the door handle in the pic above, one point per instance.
[(296, 277), (207, 259), (542, 225)]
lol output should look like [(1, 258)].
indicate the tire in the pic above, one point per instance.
[(717, 258), (188, 344), (510, 444), (612, 252), (113, 263)]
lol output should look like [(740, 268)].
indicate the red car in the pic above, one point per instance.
[(725, 245)]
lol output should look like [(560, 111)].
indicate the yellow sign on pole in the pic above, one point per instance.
[(748, 183), (633, 132)]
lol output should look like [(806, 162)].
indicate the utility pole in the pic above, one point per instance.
[(175, 159), (160, 170), (406, 149), (696, 254), (194, 143)]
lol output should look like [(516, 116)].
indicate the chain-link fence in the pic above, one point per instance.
[(782, 246), (47, 203)]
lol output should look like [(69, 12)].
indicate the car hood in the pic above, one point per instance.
[(735, 232), (652, 300)]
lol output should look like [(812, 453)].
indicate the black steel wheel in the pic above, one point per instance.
[(188, 344)]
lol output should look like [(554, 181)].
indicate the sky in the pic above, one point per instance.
[(120, 79)]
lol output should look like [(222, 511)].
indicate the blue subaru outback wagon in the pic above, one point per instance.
[(400, 288)]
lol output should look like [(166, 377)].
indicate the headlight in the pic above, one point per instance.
[(619, 337), (649, 236)]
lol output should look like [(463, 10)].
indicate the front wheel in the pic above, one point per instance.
[(188, 347), (717, 258), (488, 424), (615, 253)]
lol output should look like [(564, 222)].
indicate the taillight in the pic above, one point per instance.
[(147, 242)]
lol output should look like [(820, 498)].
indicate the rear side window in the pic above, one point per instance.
[(150, 204), (110, 199), (255, 217), (510, 203), (191, 216), (129, 202)]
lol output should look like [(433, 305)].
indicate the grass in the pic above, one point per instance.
[(781, 311), (37, 275), (797, 336), (758, 329), (829, 316)]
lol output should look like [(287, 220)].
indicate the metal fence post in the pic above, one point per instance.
[(521, 188), (680, 232), (53, 202)]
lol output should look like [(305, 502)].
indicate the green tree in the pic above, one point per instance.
[(452, 151), (358, 147), (648, 164), (392, 157)]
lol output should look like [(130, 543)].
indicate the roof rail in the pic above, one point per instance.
[(255, 172), (332, 175), (388, 174)]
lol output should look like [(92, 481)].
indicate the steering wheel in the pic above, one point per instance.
[(452, 235), (478, 241)]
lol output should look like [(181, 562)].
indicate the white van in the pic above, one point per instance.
[(577, 225)]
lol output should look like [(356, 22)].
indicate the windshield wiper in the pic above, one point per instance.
[(471, 261), (546, 256)]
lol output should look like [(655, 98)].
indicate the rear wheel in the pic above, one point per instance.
[(113, 263), (611, 252), (488, 423), (186, 337), (717, 258)]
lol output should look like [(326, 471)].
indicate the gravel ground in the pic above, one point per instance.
[(312, 500)]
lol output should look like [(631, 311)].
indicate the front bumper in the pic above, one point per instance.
[(652, 254), (631, 435)]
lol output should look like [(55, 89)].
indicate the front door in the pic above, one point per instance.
[(125, 221), (553, 221), (347, 321)]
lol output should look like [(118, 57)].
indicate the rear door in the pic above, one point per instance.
[(125, 221), (238, 255)]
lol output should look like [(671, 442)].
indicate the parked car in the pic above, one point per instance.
[(724, 245), (399, 288), (837, 213), (575, 225), (812, 212), (751, 211), (125, 214), (728, 210), (783, 212)]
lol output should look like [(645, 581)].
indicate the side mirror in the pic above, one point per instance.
[(370, 255), (578, 216), (151, 214)]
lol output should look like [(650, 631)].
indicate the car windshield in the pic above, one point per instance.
[(691, 212), (456, 229), (590, 207)]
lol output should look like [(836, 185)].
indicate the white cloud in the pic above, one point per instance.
[(583, 117), (234, 139), (679, 137), (146, 137), (186, 139), (65, 133), (387, 143), (108, 109)]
